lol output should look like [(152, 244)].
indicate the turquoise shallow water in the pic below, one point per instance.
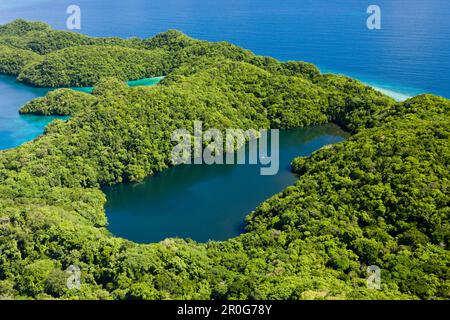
[(134, 83)]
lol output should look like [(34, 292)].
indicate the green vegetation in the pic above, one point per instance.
[(13, 60), (381, 197)]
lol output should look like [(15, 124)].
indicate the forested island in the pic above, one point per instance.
[(380, 198)]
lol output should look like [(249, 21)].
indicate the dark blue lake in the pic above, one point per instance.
[(204, 202)]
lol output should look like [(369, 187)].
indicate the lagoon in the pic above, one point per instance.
[(409, 55), (146, 82), (207, 202)]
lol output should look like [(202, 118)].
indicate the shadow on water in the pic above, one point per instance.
[(206, 202)]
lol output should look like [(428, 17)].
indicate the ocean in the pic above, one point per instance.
[(409, 55)]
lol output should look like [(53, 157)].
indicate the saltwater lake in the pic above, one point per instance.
[(207, 202)]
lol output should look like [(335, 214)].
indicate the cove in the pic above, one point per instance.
[(206, 202), (16, 129)]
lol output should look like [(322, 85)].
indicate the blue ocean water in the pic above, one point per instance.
[(410, 54)]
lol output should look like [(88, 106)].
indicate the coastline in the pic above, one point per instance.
[(397, 92), (390, 91), (397, 96)]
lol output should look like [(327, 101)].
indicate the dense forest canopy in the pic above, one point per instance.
[(380, 198)]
